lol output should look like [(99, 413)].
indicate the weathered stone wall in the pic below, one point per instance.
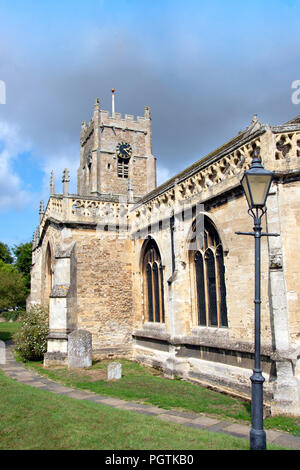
[(104, 287), (289, 203)]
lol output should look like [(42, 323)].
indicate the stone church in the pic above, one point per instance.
[(158, 274)]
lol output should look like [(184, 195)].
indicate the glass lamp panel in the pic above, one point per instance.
[(259, 186), (244, 183)]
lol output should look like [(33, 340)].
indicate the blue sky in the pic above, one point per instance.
[(204, 68)]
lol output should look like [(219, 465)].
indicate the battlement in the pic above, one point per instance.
[(127, 117), (112, 119)]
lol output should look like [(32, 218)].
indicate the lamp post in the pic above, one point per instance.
[(256, 184)]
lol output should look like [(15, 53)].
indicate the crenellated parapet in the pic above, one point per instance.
[(114, 120), (128, 122)]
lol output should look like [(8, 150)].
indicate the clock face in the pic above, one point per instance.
[(124, 150)]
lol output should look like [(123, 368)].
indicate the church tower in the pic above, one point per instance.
[(116, 155)]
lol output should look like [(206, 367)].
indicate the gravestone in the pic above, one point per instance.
[(2, 352), (114, 371), (79, 349)]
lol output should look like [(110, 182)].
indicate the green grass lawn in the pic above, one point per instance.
[(36, 419), (7, 329), (143, 384)]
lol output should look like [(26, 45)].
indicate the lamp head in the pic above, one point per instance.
[(256, 183)]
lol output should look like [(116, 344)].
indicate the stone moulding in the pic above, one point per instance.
[(194, 340), (58, 335)]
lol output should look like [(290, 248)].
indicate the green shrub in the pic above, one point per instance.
[(11, 314), (31, 340)]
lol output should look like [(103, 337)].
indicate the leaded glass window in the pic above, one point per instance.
[(153, 283), (209, 272)]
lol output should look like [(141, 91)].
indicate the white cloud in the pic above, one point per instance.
[(12, 196), (65, 157), (163, 174)]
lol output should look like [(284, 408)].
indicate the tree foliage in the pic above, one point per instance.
[(14, 276), (13, 290), (23, 254), (5, 254)]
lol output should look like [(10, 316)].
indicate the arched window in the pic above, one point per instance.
[(153, 283), (209, 272)]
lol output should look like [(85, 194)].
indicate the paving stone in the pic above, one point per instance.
[(206, 421), (183, 414), (192, 424), (41, 385), (173, 418), (221, 426), (96, 399), (132, 404), (286, 440), (27, 377), (144, 412), (73, 394), (129, 407), (150, 408), (58, 389), (113, 401), (238, 429), (272, 435), (154, 410), (29, 381)]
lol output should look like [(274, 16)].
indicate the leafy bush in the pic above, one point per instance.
[(31, 340), (11, 314)]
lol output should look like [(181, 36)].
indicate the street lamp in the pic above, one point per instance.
[(256, 184)]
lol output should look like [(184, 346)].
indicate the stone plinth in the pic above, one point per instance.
[(79, 349)]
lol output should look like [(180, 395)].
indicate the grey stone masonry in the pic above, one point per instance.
[(2, 352), (79, 349), (114, 371)]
